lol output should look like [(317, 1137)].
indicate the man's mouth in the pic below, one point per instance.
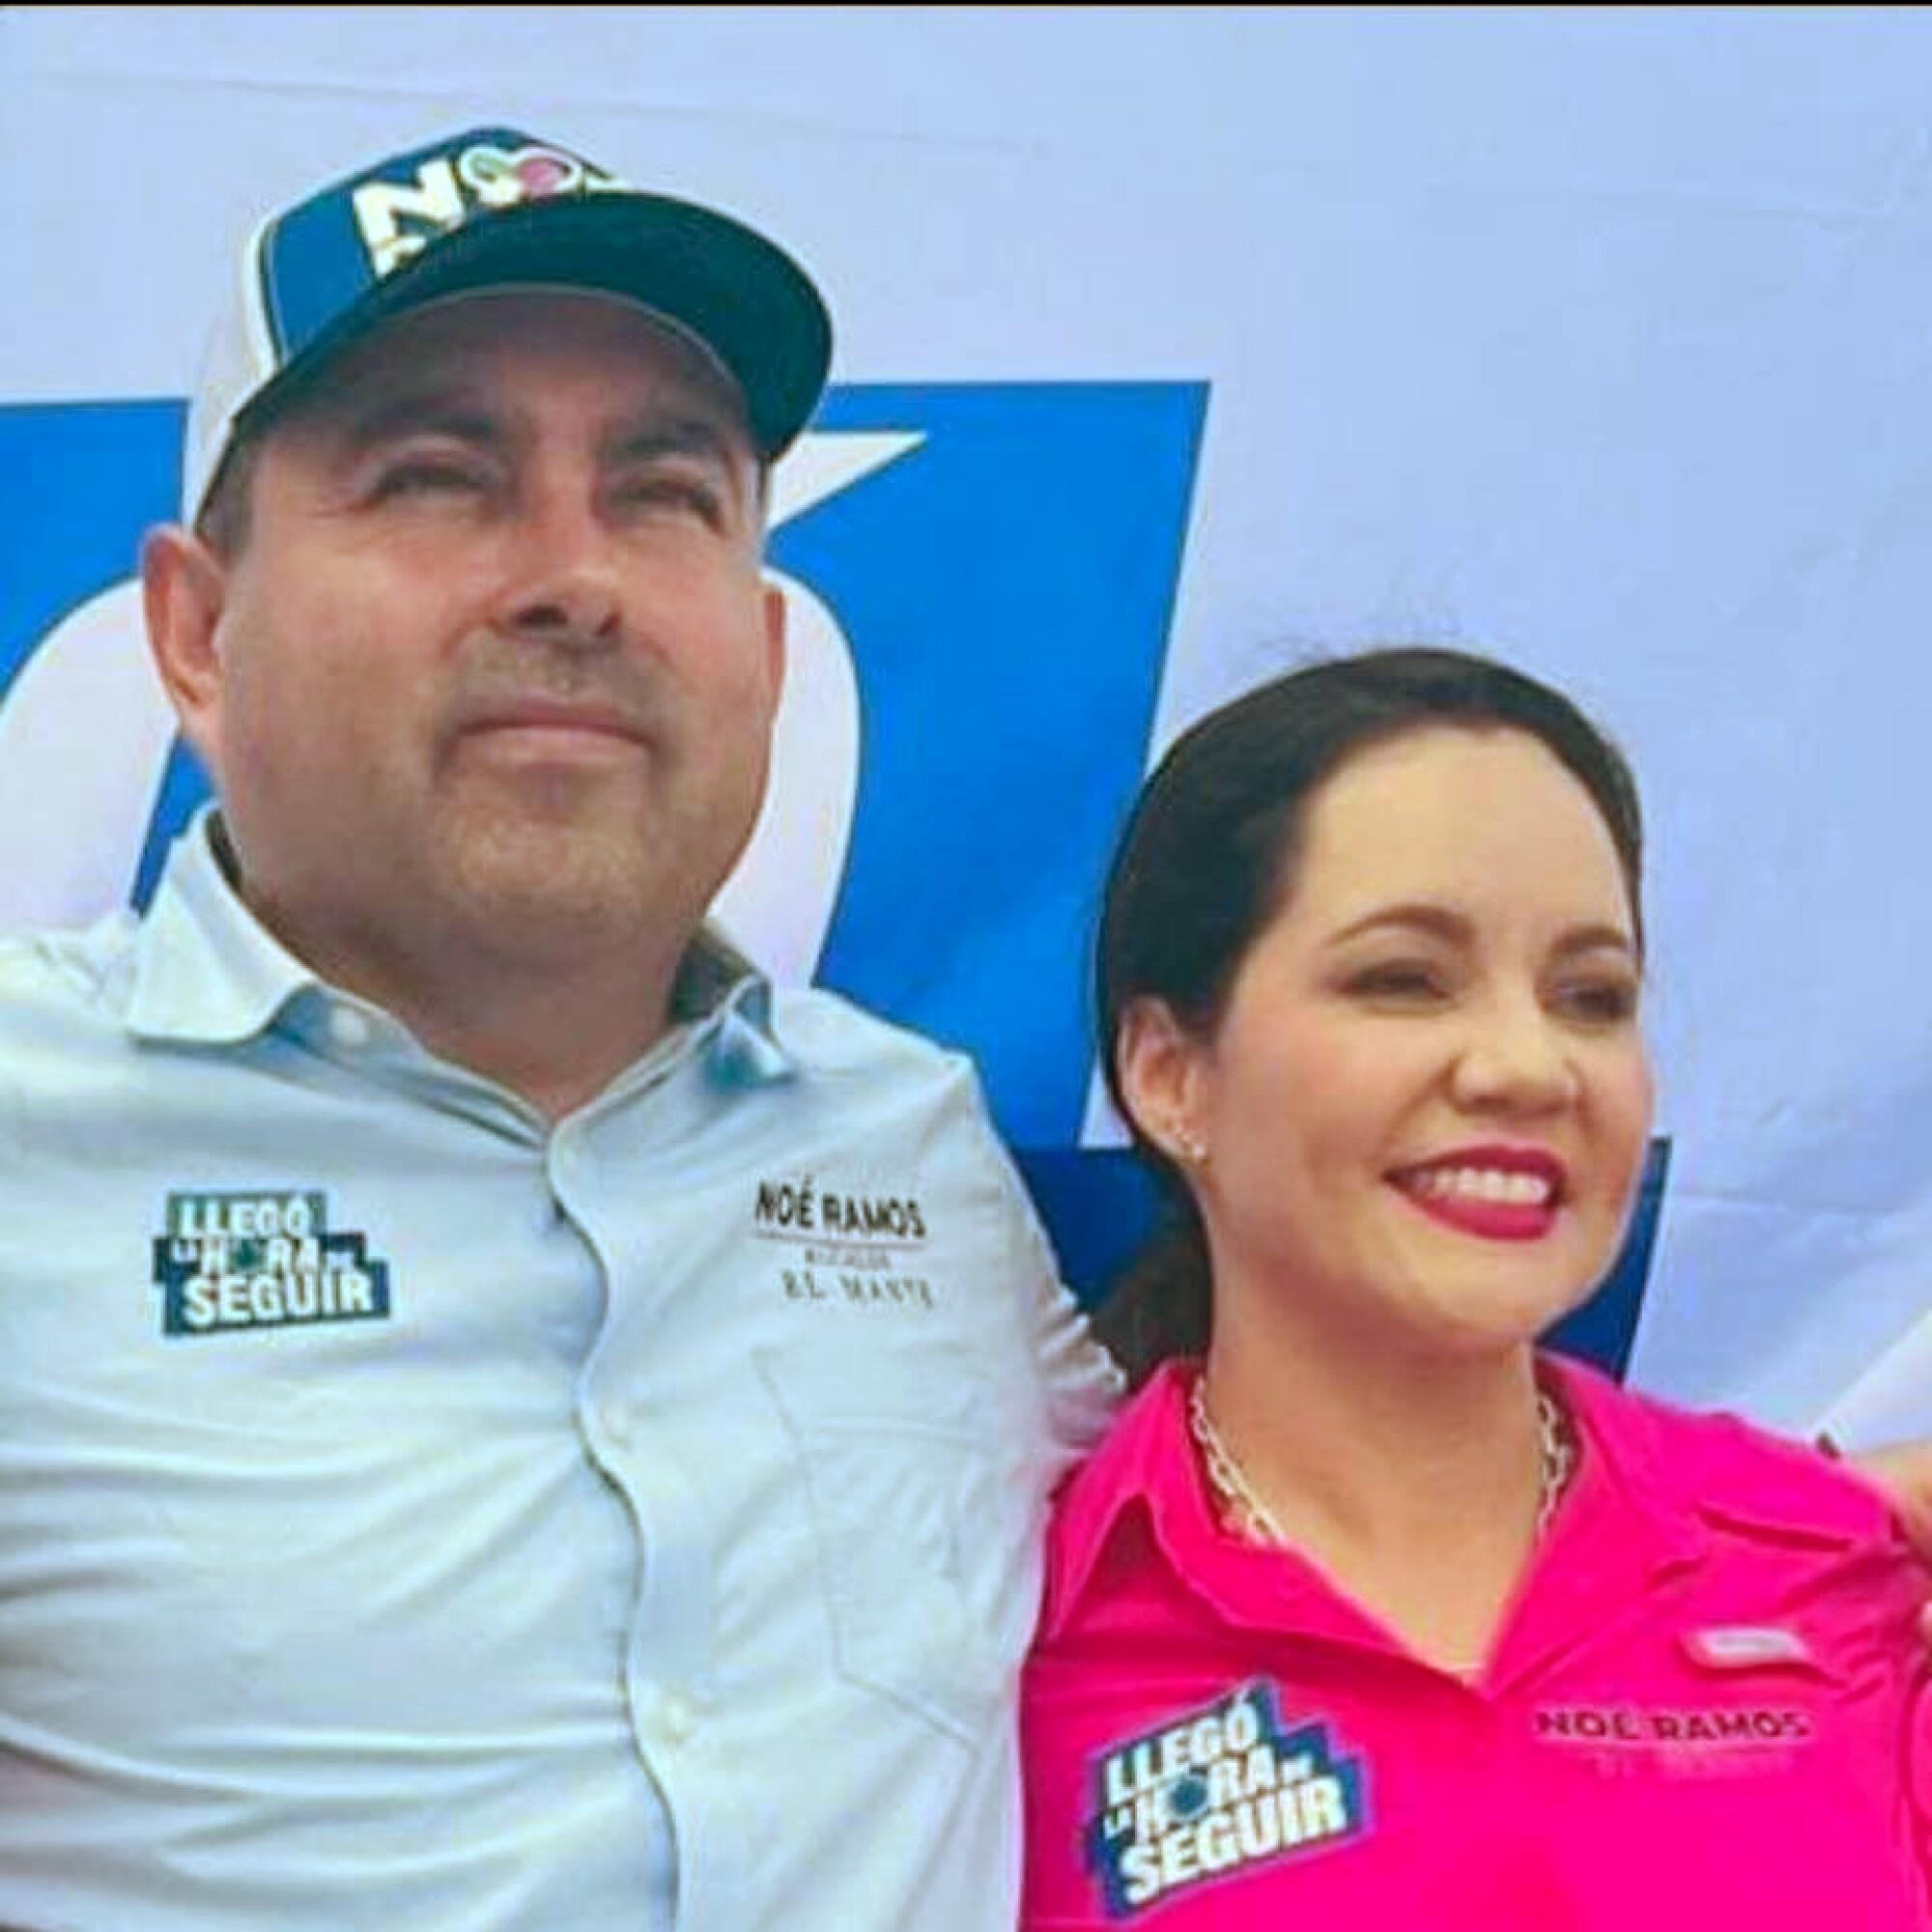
[(1498, 1193), (545, 725)]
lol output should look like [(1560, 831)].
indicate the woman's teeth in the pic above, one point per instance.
[(1484, 1184)]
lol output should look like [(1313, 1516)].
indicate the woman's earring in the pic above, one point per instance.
[(1190, 1147)]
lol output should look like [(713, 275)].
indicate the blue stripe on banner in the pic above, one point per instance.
[(87, 478), (1008, 590)]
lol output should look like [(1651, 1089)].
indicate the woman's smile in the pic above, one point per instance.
[(1497, 1193)]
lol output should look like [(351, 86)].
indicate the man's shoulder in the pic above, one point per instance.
[(62, 996), (75, 970), (827, 1035)]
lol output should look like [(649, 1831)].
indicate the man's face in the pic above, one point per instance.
[(494, 664)]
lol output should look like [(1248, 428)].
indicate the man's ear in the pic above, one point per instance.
[(1159, 1062), (184, 592), (774, 640)]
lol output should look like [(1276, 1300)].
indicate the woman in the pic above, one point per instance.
[(1366, 1608)]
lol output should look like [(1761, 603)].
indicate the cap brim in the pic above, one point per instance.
[(739, 294)]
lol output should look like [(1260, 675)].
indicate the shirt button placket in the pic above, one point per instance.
[(677, 1717), (640, 1446)]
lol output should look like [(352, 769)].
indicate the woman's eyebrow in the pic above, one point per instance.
[(1593, 938), (1439, 922), (1444, 923)]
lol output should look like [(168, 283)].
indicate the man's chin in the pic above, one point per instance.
[(597, 870), (557, 889)]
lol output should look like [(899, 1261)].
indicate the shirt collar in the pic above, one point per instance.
[(1626, 1519), (208, 973), (1145, 1469), (1147, 1473), (1626, 1467)]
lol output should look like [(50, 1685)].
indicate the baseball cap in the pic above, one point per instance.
[(490, 209)]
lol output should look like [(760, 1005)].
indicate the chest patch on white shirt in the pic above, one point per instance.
[(262, 1258), (855, 1245)]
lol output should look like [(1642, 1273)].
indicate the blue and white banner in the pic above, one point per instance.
[(1175, 345)]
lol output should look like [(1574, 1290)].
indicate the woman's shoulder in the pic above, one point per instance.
[(1141, 1468), (1733, 1473)]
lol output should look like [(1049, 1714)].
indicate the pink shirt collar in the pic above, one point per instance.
[(1624, 1519)]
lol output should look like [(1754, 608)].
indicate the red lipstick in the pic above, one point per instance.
[(1497, 1193)]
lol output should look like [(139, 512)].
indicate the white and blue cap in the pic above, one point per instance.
[(494, 208)]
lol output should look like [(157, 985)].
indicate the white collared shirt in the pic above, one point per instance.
[(415, 1514)]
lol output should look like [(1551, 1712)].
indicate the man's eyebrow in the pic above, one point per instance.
[(457, 413), (669, 436), (466, 416), (1444, 923)]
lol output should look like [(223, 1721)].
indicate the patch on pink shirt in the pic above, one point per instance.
[(1745, 1646), (1213, 1792)]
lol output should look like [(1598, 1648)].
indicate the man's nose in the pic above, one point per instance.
[(563, 585), (1514, 1059)]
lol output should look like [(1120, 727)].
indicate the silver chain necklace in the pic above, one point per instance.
[(1244, 1510)]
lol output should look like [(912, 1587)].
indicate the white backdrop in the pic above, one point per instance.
[(1603, 340)]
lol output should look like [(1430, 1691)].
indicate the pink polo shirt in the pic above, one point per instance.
[(1704, 1709)]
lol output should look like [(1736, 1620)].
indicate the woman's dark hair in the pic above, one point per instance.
[(1208, 857)]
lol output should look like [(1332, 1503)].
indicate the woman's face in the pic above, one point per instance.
[(1427, 1099)]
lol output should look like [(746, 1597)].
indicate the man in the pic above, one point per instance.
[(505, 1420)]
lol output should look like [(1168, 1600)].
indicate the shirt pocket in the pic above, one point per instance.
[(892, 1462)]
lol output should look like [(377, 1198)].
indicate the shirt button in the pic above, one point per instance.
[(677, 1717), (348, 1028), (618, 1428)]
